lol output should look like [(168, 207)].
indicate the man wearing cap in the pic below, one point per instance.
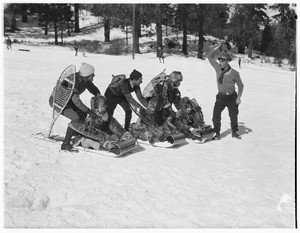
[(168, 92), (227, 96), (122, 95), (75, 109)]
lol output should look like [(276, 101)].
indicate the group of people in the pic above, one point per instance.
[(156, 117)]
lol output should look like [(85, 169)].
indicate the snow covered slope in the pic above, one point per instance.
[(227, 183)]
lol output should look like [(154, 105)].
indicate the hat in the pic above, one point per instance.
[(225, 55), (86, 70), (135, 74)]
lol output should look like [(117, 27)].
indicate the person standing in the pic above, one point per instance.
[(240, 61), (227, 96), (160, 54), (122, 95), (76, 48), (8, 43), (75, 109)]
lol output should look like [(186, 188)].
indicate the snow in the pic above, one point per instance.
[(248, 183)]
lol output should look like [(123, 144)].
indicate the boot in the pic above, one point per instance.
[(66, 143), (127, 122), (217, 136), (236, 135)]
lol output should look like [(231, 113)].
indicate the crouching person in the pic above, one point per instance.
[(190, 120), (75, 109), (154, 125)]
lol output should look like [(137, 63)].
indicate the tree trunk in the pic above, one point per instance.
[(13, 24), (77, 29), (46, 27), (250, 48), (133, 30), (201, 9), (55, 32), (137, 30), (241, 49), (106, 29), (184, 31), (24, 17), (68, 27), (126, 31), (61, 30), (158, 28), (24, 13), (166, 24)]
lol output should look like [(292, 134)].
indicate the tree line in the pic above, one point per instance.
[(247, 26)]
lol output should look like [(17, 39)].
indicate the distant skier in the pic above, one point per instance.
[(8, 43), (160, 54), (121, 95), (227, 96), (76, 48), (240, 61), (75, 108)]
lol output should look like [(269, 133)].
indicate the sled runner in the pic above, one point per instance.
[(121, 146), (57, 139), (62, 93)]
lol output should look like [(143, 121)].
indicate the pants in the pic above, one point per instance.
[(223, 101), (74, 115), (112, 102)]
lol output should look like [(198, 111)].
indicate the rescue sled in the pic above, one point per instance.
[(121, 146)]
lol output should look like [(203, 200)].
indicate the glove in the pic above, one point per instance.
[(92, 114)]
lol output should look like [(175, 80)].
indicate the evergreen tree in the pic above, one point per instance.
[(285, 35), (267, 38), (76, 15), (246, 22)]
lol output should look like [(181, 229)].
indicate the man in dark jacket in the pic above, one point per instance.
[(75, 109), (122, 95)]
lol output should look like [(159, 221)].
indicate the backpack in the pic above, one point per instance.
[(117, 80), (155, 85)]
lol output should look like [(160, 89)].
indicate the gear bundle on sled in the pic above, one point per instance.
[(176, 139), (107, 142), (115, 139), (195, 116), (146, 130)]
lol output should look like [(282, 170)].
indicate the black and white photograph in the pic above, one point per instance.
[(149, 115)]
